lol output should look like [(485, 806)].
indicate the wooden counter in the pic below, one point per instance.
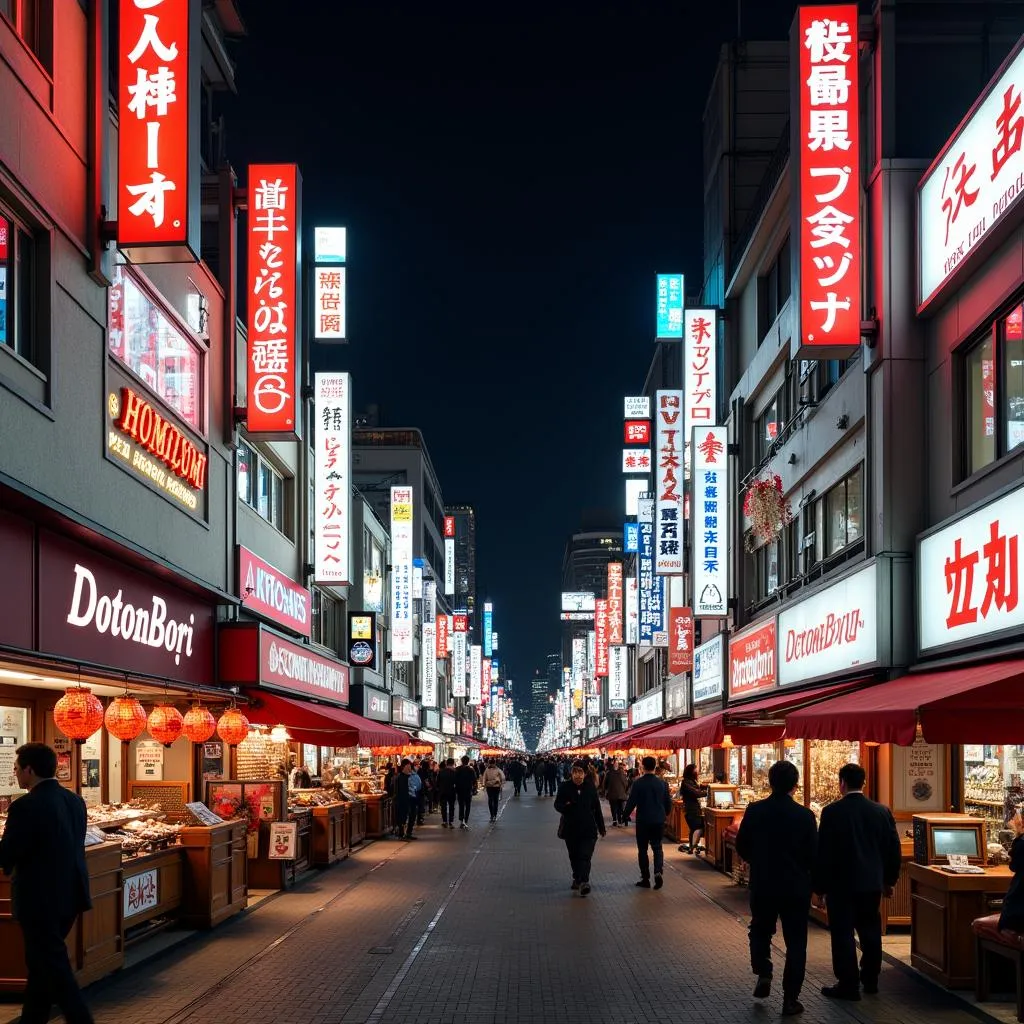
[(715, 821), (942, 907), (303, 817), (676, 828), (378, 817), (216, 873), (152, 886), (330, 834)]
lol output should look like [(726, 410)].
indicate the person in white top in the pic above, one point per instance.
[(493, 780)]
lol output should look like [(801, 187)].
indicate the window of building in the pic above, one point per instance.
[(817, 377), (19, 328), (769, 425), (844, 513), (30, 19), (325, 624), (261, 486), (157, 347), (766, 565), (775, 287)]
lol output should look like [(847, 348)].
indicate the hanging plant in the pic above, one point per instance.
[(767, 509)]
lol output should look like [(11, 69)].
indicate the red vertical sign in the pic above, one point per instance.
[(680, 640), (601, 637), (829, 150), (449, 526), (441, 636), (615, 606)]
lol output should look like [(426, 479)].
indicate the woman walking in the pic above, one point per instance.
[(582, 819), (691, 791)]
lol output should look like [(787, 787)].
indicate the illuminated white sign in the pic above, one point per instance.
[(401, 574), (618, 677), (458, 664), (635, 486), (329, 303), (332, 472), (578, 601), (636, 460), (632, 610), (428, 661), (476, 668), (330, 245), (637, 407), (449, 565), (709, 565), (668, 483)]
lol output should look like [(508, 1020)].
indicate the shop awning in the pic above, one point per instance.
[(321, 724), (627, 738), (971, 704), (428, 736)]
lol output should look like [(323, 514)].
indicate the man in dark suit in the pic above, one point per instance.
[(43, 846), (777, 838), (858, 860), (650, 798)]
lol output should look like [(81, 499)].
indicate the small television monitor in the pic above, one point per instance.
[(955, 840), (721, 796), (937, 836)]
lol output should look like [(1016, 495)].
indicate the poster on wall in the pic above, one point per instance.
[(919, 777), (149, 761), (284, 840)]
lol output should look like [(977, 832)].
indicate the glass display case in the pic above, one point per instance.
[(762, 757), (825, 759), (994, 786), (793, 751)]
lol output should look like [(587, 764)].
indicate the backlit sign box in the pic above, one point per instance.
[(709, 566), (669, 307), (631, 538), (636, 460), (669, 477), (362, 639), (330, 245), (637, 407), (636, 432), (269, 592), (332, 471), (158, 207), (578, 601)]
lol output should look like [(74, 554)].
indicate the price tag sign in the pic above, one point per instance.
[(957, 860)]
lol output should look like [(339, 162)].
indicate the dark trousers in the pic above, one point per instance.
[(518, 785), (849, 912), (649, 835), (493, 796), (405, 816), (448, 808), (765, 910), (465, 799), (539, 783), (616, 809), (550, 786), (581, 852), (50, 978)]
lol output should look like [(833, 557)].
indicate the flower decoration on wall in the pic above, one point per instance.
[(767, 509)]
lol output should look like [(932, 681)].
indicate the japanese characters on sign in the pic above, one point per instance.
[(578, 601), (976, 179), (273, 355), (636, 432), (670, 307), (475, 673), (401, 574), (618, 678), (631, 538), (441, 632), (668, 520), (614, 603), (636, 460), (652, 587), (752, 660), (449, 526), (700, 368), (158, 99), (970, 575), (332, 472), (141, 892), (459, 663), (329, 303), (632, 610), (710, 563), (449, 565), (680, 640), (709, 670), (488, 628), (601, 638), (428, 662), (829, 204), (637, 407)]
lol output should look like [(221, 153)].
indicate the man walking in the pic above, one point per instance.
[(777, 838), (407, 787), (538, 775), (858, 861), (465, 787), (43, 846), (446, 793), (550, 777), (493, 780), (616, 788), (652, 801), (516, 771)]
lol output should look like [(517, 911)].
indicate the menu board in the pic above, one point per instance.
[(919, 777)]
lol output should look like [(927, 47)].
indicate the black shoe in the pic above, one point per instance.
[(584, 888), (838, 992), (791, 1007), (871, 986), (644, 883), (659, 881), (684, 848), (575, 884), (763, 988)]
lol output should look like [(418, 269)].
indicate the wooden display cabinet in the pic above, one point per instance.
[(171, 796), (357, 815), (330, 834), (152, 885), (675, 826), (303, 818), (715, 822), (380, 815), (216, 870)]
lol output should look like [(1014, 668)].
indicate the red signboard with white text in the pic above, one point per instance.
[(272, 345), (615, 604), (441, 637), (636, 432), (449, 526), (752, 661), (680, 640), (158, 116), (828, 149), (267, 591)]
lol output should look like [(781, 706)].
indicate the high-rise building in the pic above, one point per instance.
[(585, 569), (465, 560), (554, 672)]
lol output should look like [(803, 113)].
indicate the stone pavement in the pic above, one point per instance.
[(480, 927)]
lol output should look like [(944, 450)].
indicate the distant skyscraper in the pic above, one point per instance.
[(585, 569), (465, 559), (554, 673)]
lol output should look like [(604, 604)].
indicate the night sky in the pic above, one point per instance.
[(512, 177)]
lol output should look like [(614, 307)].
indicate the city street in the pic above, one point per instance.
[(481, 927)]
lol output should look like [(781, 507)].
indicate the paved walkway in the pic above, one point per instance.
[(480, 927)]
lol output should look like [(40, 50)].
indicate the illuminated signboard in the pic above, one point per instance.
[(700, 355), (332, 471), (636, 460), (669, 476), (401, 574), (637, 407), (636, 432), (669, 307), (709, 566)]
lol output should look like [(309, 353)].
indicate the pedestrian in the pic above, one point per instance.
[(616, 787), (550, 778), (538, 775), (582, 820), (406, 793), (426, 784), (690, 791), (859, 860), (516, 772), (43, 847), (446, 793), (465, 787), (650, 797), (493, 780), (778, 838)]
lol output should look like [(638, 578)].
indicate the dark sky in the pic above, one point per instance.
[(512, 177)]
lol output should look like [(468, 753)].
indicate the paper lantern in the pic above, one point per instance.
[(165, 724), (233, 727), (125, 718), (198, 724), (78, 714)]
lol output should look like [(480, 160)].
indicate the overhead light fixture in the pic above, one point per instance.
[(279, 734)]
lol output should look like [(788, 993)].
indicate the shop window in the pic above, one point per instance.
[(844, 513), (817, 377), (31, 20), (766, 570), (826, 758), (19, 290), (769, 425), (326, 618), (775, 287), (993, 784), (261, 486), (157, 347)]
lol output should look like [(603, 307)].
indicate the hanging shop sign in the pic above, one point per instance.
[(449, 566), (268, 592), (578, 601), (460, 622), (448, 725), (441, 633), (636, 432), (677, 691), (680, 640), (635, 487), (827, 144), (615, 603), (636, 407), (631, 538), (709, 670), (475, 673), (272, 343), (974, 183), (832, 632), (652, 587), (401, 574), (459, 663), (371, 702), (648, 708), (95, 609), (428, 662), (488, 628), (330, 250), (632, 601), (618, 677), (158, 207), (332, 483), (668, 513), (970, 576), (669, 305), (752, 660), (404, 711), (362, 640), (149, 442), (710, 534), (700, 373), (636, 460), (601, 638)]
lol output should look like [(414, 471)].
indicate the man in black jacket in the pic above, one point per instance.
[(465, 787), (777, 838), (858, 860), (446, 793), (43, 846), (650, 798)]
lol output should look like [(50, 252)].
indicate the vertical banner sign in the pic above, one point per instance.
[(488, 627), (652, 587), (710, 562), (618, 678), (601, 638), (450, 627), (475, 673), (668, 480), (485, 678), (615, 603), (158, 118), (332, 471), (429, 600), (449, 565), (670, 307), (680, 640), (273, 356), (459, 664), (401, 574), (428, 662), (700, 368), (330, 250), (829, 144), (441, 632), (632, 610), (631, 538)]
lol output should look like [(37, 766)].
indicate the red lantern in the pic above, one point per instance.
[(79, 713), (125, 718), (199, 725), (233, 727), (165, 724)]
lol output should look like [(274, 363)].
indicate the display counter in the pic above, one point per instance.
[(303, 818), (715, 822), (330, 834), (152, 886), (675, 825), (942, 907), (357, 815), (215, 863), (380, 815)]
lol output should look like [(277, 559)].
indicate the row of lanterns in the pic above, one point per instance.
[(79, 714)]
